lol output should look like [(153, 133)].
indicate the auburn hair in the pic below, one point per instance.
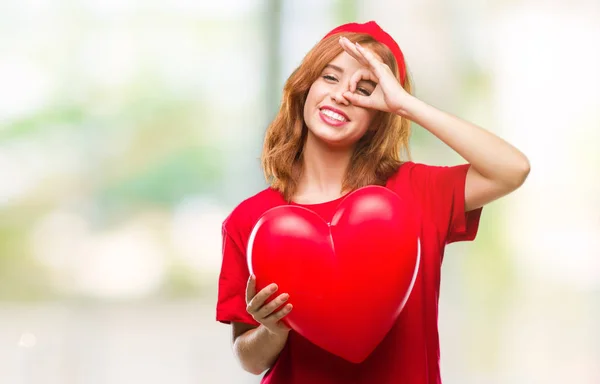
[(377, 155)]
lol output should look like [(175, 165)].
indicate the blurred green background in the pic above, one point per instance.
[(130, 129)]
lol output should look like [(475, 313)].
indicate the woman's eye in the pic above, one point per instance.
[(329, 77), (363, 91)]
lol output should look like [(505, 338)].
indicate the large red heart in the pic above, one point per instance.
[(348, 280)]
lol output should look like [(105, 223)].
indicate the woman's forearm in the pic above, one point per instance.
[(491, 156), (258, 348)]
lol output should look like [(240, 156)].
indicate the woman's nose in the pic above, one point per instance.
[(337, 95)]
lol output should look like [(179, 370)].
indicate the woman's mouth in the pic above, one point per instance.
[(334, 118)]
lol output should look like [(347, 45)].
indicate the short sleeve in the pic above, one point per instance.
[(441, 191), (231, 302)]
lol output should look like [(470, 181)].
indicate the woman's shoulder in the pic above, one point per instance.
[(404, 171), (248, 211), (426, 183), (414, 178), (415, 175)]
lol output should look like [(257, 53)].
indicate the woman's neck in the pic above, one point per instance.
[(324, 169)]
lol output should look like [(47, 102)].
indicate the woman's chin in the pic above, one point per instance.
[(333, 138), (335, 143)]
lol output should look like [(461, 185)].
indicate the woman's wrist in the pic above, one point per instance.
[(410, 107), (276, 335)]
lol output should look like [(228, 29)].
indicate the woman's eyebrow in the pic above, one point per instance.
[(335, 68)]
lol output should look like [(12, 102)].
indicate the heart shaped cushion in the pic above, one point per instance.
[(348, 280)]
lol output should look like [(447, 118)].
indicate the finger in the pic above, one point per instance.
[(267, 309), (361, 74), (275, 317), (353, 51), (363, 55), (250, 288), (359, 100), (373, 62), (259, 299)]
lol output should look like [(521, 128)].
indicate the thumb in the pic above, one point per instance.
[(250, 288), (359, 100)]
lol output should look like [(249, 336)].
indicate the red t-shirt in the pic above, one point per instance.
[(409, 354)]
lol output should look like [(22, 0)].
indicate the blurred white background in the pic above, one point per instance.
[(130, 129)]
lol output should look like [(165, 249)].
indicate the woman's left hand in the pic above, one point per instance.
[(388, 96)]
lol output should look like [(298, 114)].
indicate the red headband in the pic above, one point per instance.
[(371, 28)]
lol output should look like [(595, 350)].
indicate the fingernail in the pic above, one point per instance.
[(285, 296), (273, 288)]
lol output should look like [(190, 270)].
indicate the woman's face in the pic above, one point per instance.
[(329, 116)]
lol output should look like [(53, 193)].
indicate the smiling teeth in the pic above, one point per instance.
[(333, 115)]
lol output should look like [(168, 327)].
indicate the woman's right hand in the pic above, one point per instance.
[(265, 313)]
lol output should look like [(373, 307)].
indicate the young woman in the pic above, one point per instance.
[(343, 124)]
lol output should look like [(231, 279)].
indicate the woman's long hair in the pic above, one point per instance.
[(377, 155)]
